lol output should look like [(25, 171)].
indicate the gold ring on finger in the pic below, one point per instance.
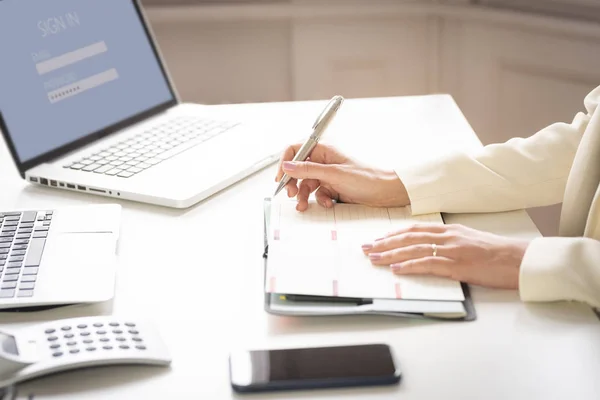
[(434, 248)]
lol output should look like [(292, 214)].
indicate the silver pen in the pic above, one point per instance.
[(319, 128)]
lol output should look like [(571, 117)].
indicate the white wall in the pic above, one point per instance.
[(511, 72)]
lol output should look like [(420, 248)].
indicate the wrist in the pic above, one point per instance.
[(520, 247), (394, 192), (515, 251)]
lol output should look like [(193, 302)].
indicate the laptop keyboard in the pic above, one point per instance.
[(22, 240), (139, 153)]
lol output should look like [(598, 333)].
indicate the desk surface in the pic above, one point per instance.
[(197, 273)]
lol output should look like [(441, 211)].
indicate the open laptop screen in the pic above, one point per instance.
[(69, 68)]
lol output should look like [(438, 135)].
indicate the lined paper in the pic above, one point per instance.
[(318, 252)]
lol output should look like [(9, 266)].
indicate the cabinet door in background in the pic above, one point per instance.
[(370, 57), (227, 62)]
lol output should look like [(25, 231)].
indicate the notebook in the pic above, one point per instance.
[(314, 265)]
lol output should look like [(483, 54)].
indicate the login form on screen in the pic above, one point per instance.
[(72, 67)]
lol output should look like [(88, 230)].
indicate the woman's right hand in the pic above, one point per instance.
[(336, 177)]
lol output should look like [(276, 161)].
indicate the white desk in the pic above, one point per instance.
[(198, 274)]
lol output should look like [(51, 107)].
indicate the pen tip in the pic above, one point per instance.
[(279, 187)]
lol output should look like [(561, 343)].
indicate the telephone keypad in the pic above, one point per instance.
[(60, 346), (78, 339)]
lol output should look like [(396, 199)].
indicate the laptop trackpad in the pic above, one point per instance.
[(81, 219), (80, 266)]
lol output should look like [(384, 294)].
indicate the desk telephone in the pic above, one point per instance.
[(74, 343)]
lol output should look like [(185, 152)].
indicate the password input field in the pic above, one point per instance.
[(69, 58), (81, 86)]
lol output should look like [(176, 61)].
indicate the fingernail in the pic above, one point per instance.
[(378, 239), (290, 166), (366, 247), (395, 266), (375, 256)]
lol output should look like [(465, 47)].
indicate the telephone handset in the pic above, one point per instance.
[(55, 346)]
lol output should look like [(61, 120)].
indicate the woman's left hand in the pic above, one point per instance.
[(461, 253)]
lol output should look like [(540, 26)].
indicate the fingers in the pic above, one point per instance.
[(431, 227), (288, 154), (324, 197), (321, 154), (312, 170), (403, 254), (307, 186), (436, 266), (292, 187), (403, 240)]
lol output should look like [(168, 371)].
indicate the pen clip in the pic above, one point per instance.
[(334, 102)]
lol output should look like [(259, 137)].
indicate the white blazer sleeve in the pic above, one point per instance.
[(518, 174), (561, 269)]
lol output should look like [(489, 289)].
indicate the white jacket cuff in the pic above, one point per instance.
[(457, 183), (561, 268)]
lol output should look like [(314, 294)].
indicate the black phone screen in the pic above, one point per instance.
[(314, 367)]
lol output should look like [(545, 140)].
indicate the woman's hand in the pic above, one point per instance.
[(462, 254), (336, 177)]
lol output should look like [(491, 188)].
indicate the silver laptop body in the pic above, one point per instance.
[(95, 111), (59, 256)]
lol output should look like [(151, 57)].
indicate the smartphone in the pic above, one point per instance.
[(311, 368)]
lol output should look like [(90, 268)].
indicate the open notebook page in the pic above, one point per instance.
[(318, 252)]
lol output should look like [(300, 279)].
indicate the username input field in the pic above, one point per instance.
[(71, 57)]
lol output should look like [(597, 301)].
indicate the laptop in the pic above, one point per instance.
[(60, 256), (87, 105)]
